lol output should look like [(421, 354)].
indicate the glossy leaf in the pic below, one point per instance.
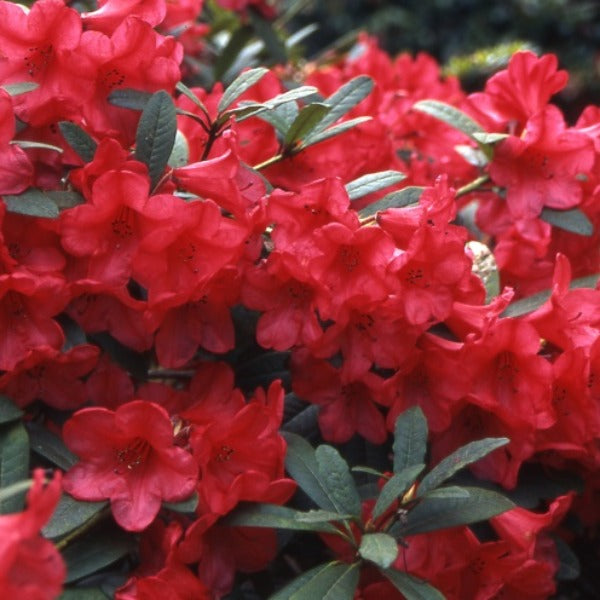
[(70, 514), (305, 122), (181, 152), (14, 463), (129, 98), (274, 45), (450, 115), (395, 487), (373, 182), (188, 93), (337, 480), (573, 220), (334, 581), (463, 456), (155, 136), (185, 506), (379, 548), (32, 144), (81, 142), (230, 54), (64, 199), (50, 446), (83, 593), (410, 439), (8, 410), (15, 89), (239, 85), (489, 138), (338, 129), (33, 203), (398, 199), (411, 587)]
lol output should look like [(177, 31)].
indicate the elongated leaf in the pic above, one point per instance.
[(156, 133), (181, 151), (14, 463), (346, 98), (373, 182), (185, 90), (25, 144), (83, 144), (395, 487), (410, 439), (334, 581), (450, 115), (379, 548), (50, 446), (320, 516), (231, 52), (83, 593), (445, 511), (239, 85), (411, 587), (465, 455), (398, 199), (305, 122), (573, 220), (451, 491), (185, 506), (89, 554), (70, 514), (337, 480), (8, 410), (15, 89), (272, 515), (281, 116), (64, 199), (129, 98), (569, 567), (489, 138), (338, 129), (301, 464), (32, 202), (266, 32)]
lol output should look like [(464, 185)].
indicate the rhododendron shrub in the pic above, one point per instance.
[(344, 299)]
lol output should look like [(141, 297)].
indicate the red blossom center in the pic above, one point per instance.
[(224, 453), (131, 456), (37, 59), (111, 78), (349, 257), (535, 159), (122, 224)]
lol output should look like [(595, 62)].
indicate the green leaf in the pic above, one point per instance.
[(15, 89), (14, 463), (25, 144), (373, 182), (185, 90), (281, 116), (320, 516), (395, 487), (305, 422), (89, 554), (15, 489), (569, 568), (156, 133), (70, 514), (398, 199), (185, 506), (230, 53), (486, 268), (64, 199), (463, 456), (265, 31), (443, 511), (334, 581), (573, 220), (411, 587), (81, 593), (450, 115), (33, 203), (8, 411), (129, 98), (410, 439), (345, 99), (368, 471), (301, 464), (305, 122), (79, 140), (338, 129), (239, 85), (50, 446), (379, 548), (489, 138), (280, 517), (181, 151), (451, 491), (337, 480)]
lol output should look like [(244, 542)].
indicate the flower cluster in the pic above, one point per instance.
[(256, 243)]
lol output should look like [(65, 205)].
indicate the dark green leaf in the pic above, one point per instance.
[(15, 89), (81, 593), (230, 53), (50, 446), (368, 471), (337, 480), (395, 487), (320, 516), (305, 422), (185, 90), (411, 587), (398, 199), (8, 411), (410, 439), (294, 94), (569, 568), (281, 116), (301, 464), (265, 31), (70, 514), (185, 506), (33, 203), (450, 115), (379, 548), (305, 122), (33, 144), (14, 463), (573, 220), (373, 182), (129, 98), (64, 199), (338, 129), (272, 515), (181, 151), (156, 133), (433, 513), (463, 456), (240, 85), (79, 140), (89, 554), (334, 581)]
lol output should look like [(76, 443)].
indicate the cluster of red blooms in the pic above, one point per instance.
[(358, 302)]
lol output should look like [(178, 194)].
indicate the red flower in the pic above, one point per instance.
[(111, 13), (30, 566), (128, 456)]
